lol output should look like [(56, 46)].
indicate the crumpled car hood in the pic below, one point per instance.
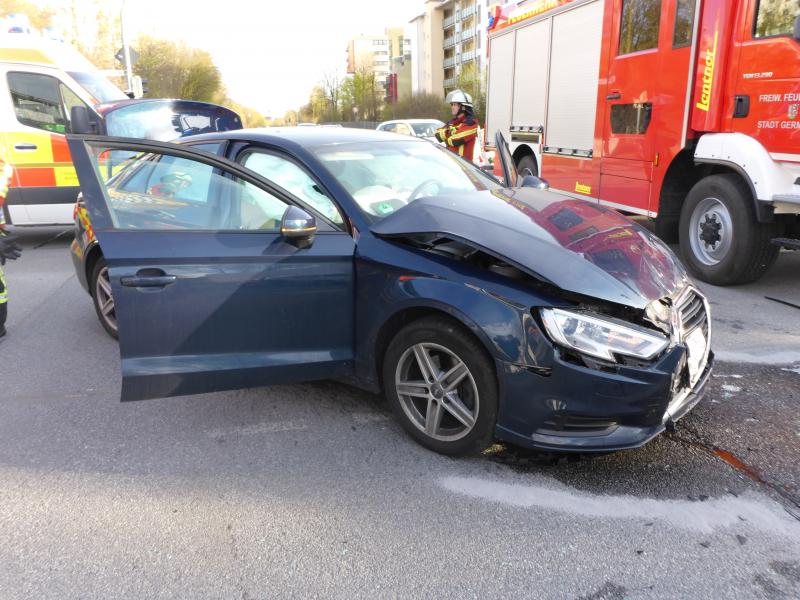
[(576, 245)]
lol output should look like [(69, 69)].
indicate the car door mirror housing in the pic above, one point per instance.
[(532, 181), (298, 227), (82, 122)]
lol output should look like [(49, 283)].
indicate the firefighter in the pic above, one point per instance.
[(461, 131), (9, 249)]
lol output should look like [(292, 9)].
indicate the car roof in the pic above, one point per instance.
[(432, 119), (303, 136)]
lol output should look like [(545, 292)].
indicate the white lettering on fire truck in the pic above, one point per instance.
[(791, 97), (708, 75), (769, 98)]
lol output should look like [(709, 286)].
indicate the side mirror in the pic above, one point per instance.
[(81, 122), (298, 227), (532, 181)]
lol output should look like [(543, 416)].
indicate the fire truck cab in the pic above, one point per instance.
[(685, 111)]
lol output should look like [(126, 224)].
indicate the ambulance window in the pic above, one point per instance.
[(775, 17), (37, 101), (684, 21), (639, 25)]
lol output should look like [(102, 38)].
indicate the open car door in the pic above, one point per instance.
[(510, 176), (211, 292)]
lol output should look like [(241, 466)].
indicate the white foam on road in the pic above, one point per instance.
[(713, 514), (785, 357), (257, 428), (795, 370), (731, 388)]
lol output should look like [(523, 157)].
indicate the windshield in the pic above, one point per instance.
[(427, 128), (383, 177), (99, 88)]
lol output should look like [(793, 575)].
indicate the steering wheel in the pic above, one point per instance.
[(414, 194)]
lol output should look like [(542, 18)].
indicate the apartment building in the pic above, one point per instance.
[(447, 37), (378, 52)]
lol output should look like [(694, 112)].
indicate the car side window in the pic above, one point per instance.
[(391, 127), (404, 129), (294, 179), (164, 192), (639, 25), (37, 101)]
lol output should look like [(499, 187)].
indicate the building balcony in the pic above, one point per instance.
[(449, 62), (450, 82), (448, 22), (468, 56), (468, 34), (449, 42), (468, 11)]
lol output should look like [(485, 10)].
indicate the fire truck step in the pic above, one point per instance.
[(789, 243)]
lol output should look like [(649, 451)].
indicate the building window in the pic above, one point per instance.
[(639, 25)]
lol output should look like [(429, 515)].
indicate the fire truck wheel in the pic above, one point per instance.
[(527, 166), (721, 241), (103, 299)]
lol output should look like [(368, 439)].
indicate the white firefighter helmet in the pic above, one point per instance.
[(460, 97)]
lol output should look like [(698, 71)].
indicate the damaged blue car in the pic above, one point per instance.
[(483, 311)]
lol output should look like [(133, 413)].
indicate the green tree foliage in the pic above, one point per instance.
[(472, 82), (418, 106), (173, 70)]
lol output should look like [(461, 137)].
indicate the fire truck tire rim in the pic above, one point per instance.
[(711, 231)]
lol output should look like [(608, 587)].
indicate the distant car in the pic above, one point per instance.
[(424, 128), (240, 259)]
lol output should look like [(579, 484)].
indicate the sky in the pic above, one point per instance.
[(270, 53)]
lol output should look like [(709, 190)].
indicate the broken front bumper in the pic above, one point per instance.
[(578, 409)]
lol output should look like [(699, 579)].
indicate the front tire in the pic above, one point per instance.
[(442, 386), (103, 299), (721, 241)]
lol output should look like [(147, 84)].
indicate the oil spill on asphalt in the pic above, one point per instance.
[(787, 495)]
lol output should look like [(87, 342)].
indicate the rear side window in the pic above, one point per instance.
[(639, 25), (37, 101), (775, 17)]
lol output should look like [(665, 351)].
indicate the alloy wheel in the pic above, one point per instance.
[(105, 299), (437, 392)]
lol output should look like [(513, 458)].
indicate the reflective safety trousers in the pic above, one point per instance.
[(3, 288)]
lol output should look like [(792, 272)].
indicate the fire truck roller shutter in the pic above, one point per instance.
[(530, 75), (574, 74), (501, 72)]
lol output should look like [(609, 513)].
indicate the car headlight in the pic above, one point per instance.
[(599, 336)]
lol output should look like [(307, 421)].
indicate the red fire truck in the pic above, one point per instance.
[(685, 111)]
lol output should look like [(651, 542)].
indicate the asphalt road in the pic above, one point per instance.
[(314, 491)]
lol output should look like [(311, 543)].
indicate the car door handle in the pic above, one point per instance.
[(26, 147), (614, 96), (148, 280)]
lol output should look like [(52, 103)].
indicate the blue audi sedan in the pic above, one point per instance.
[(482, 311)]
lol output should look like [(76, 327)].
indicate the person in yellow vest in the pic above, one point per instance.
[(9, 248), (460, 133)]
